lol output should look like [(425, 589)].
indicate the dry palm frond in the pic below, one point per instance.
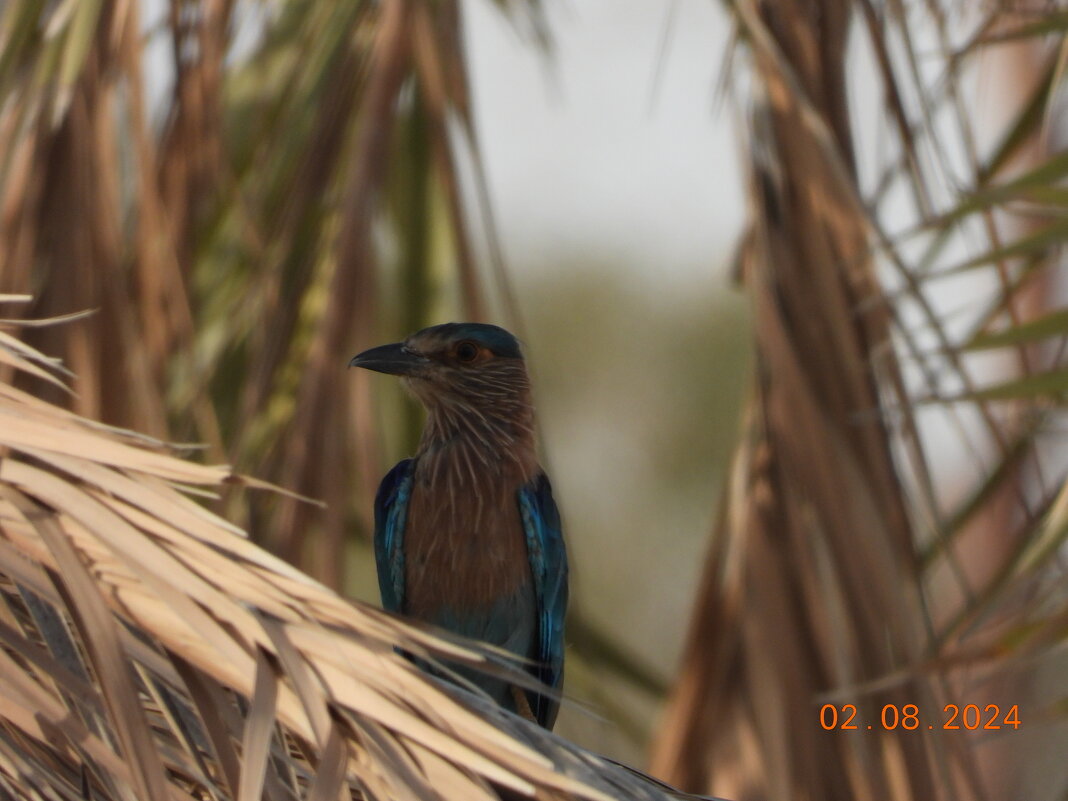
[(149, 650), (841, 570), (811, 585)]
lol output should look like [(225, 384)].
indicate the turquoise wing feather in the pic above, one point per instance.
[(548, 563), (391, 512)]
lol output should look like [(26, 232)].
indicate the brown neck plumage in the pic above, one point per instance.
[(481, 436)]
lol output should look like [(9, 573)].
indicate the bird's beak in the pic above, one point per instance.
[(394, 359)]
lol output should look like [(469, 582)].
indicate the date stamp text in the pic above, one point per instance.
[(971, 717)]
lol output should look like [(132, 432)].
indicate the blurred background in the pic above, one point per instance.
[(787, 276)]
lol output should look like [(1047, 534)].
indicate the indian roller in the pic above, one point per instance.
[(467, 535)]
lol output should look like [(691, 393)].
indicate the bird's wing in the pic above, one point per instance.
[(548, 563), (391, 511)]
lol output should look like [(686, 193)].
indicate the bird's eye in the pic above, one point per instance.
[(466, 352)]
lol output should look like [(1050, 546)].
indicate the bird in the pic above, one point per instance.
[(467, 534)]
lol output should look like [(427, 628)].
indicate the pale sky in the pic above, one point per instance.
[(612, 143)]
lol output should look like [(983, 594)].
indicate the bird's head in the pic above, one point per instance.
[(456, 366)]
